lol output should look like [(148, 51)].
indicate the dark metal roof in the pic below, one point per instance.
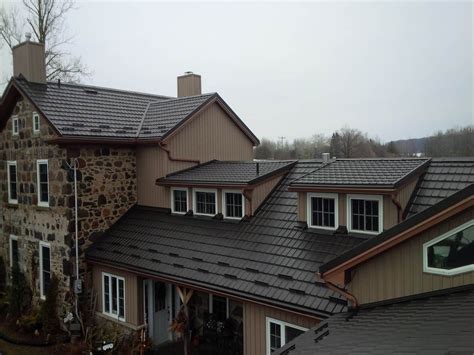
[(399, 228), (444, 177), (228, 172), (268, 258), (363, 172), (88, 111), (430, 324)]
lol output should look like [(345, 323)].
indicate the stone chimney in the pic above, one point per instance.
[(189, 84), (29, 60)]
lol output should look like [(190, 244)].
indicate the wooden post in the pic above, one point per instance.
[(185, 295)]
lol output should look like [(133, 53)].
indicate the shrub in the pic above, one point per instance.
[(19, 293), (49, 308)]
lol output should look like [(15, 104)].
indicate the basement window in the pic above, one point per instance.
[(13, 250), (365, 213), (12, 182), (15, 125), (45, 268), (234, 205), (205, 202), (451, 253), (279, 333), (36, 122), (113, 296), (323, 211), (42, 182), (179, 200)]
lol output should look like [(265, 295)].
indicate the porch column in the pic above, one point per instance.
[(185, 295)]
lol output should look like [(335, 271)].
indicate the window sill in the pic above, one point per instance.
[(117, 321), (42, 208), (11, 205)]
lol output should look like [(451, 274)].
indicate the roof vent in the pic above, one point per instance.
[(202, 270), (261, 283), (326, 157), (285, 277), (296, 291), (155, 261), (174, 254), (221, 263), (249, 269), (90, 91), (230, 276), (96, 130), (153, 250)]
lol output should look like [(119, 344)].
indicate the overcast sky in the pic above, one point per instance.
[(391, 69)]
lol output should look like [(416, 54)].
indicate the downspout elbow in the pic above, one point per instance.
[(350, 297)]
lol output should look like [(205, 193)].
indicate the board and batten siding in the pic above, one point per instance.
[(262, 190), (210, 135), (398, 272), (133, 294), (255, 325)]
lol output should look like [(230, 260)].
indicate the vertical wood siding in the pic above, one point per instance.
[(399, 271), (211, 135), (255, 325), (262, 190)]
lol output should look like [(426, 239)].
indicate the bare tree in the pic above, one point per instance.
[(45, 19)]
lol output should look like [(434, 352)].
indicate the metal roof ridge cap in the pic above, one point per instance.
[(323, 165), (424, 164), (139, 129)]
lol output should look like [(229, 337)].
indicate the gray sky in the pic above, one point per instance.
[(391, 69)]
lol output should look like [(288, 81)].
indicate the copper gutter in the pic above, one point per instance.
[(399, 207), (163, 145), (341, 291)]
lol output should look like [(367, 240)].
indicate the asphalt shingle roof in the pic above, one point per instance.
[(267, 258), (438, 324), (354, 172), (444, 177), (231, 172)]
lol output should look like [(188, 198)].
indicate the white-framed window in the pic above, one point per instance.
[(233, 204), (365, 213), (14, 256), (42, 182), (15, 125), (451, 253), (36, 122), (113, 296), (179, 200), (219, 306), (12, 181), (279, 333), (323, 210), (205, 202), (44, 268)]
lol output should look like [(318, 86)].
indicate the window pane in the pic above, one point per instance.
[(13, 182), (46, 271), (233, 204), (43, 182), (114, 295), (322, 209), (275, 336), (219, 308), (14, 251), (106, 294), (121, 299), (180, 201), (291, 333), (206, 202), (365, 215), (454, 251)]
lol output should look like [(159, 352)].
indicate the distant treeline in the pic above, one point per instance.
[(352, 143)]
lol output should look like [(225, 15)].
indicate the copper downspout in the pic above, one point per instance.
[(399, 207), (346, 294), (163, 145)]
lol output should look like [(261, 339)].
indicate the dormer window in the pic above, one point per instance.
[(323, 211), (205, 202), (179, 200), (233, 202), (15, 125), (365, 213), (36, 122)]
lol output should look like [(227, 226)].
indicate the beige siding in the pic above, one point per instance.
[(399, 271), (255, 325), (211, 135), (302, 207), (262, 190), (390, 213), (405, 193), (133, 299)]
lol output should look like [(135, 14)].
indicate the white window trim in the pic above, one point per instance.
[(195, 201), (41, 245), (211, 306), (110, 314), (172, 190), (336, 209), (282, 331), (38, 162), (12, 163), (378, 198), (224, 207), (456, 271), (36, 115), (15, 119), (12, 237)]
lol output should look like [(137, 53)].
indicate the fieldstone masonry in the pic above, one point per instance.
[(106, 190)]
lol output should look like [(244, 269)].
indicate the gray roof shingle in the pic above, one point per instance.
[(271, 258), (363, 172), (436, 324), (231, 172)]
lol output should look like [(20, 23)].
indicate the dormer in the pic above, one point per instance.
[(363, 196), (227, 189)]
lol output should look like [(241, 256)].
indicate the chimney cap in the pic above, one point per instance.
[(28, 36), (189, 72)]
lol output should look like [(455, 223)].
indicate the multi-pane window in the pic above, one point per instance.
[(36, 122), (205, 202), (43, 182), (12, 182), (233, 204), (113, 296), (15, 125), (365, 213), (279, 333), (45, 268), (219, 307), (179, 200), (13, 250), (451, 253), (323, 211)]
